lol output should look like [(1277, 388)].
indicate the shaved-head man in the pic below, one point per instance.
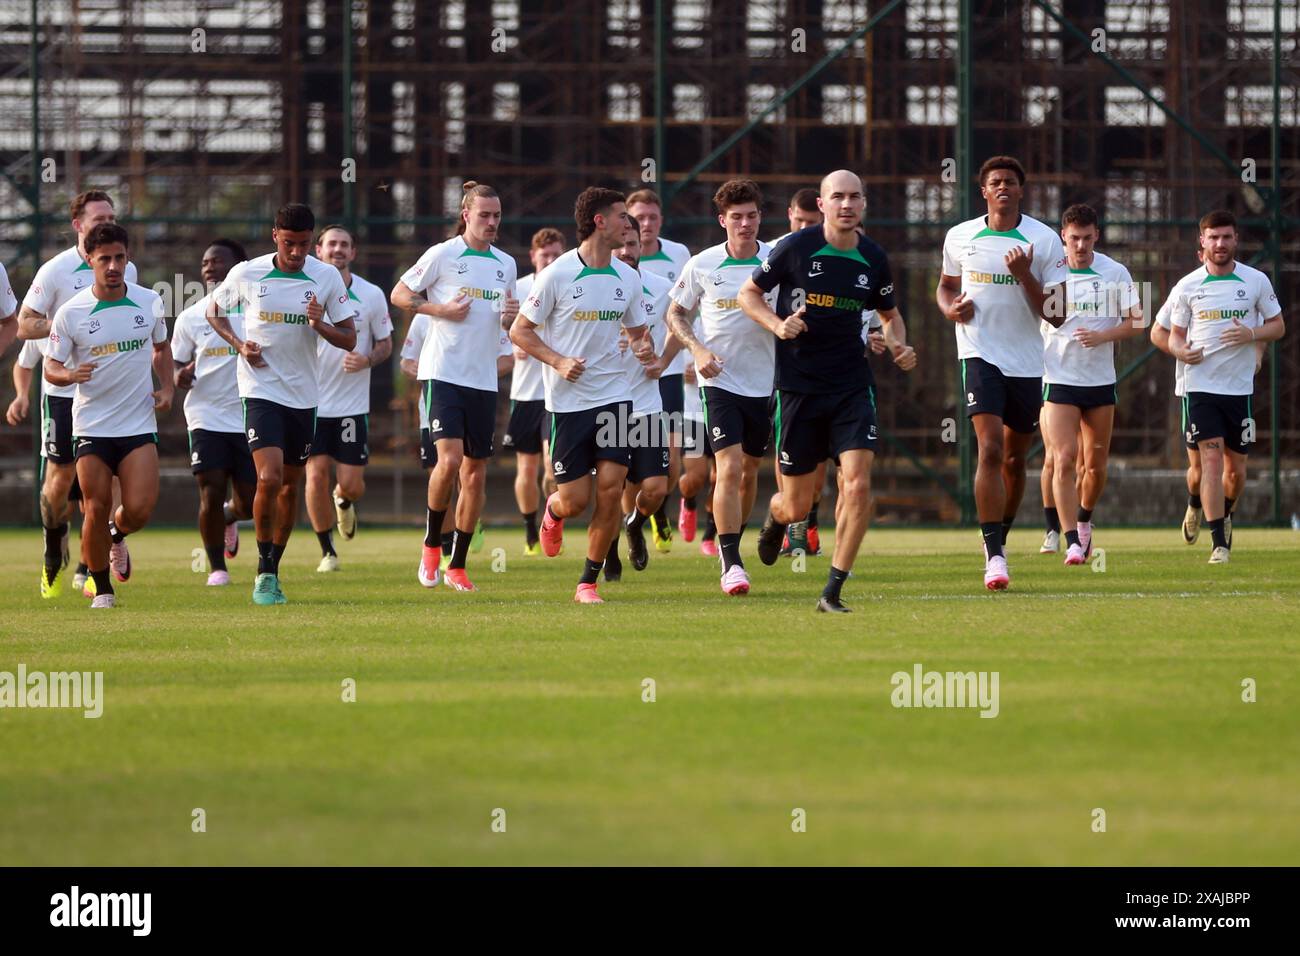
[(825, 401)]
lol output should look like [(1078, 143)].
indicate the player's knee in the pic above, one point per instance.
[(352, 488), (450, 462), (1064, 459), (991, 454), (856, 489), (135, 515)]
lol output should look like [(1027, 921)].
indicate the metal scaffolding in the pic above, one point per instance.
[(203, 116)]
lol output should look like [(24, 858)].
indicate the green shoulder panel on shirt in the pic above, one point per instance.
[(474, 252), (589, 271), (829, 250), (1084, 272), (112, 304), (1009, 234), (277, 274), (751, 261), (659, 256), (1230, 277)]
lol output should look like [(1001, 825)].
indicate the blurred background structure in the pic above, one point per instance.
[(202, 116)]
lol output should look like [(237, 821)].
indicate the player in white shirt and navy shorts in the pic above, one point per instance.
[(57, 281), (289, 299), (342, 436), (529, 428), (108, 340), (571, 322), (1000, 273), (1221, 312), (214, 415)]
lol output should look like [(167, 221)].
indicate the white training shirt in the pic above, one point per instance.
[(711, 280), (1206, 305), (527, 384), (646, 397), (1097, 298), (465, 352), (118, 336), (1003, 331), (1164, 318), (57, 281), (578, 311), (416, 333), (212, 402), (8, 302), (275, 316), (668, 262), (344, 393)]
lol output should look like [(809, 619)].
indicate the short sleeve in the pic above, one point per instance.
[(60, 346), (338, 307), (634, 311), (1180, 312), (182, 339), (29, 356), (1266, 303), (951, 267), (381, 323), (8, 303), (40, 296), (504, 348), (884, 296), (1050, 262), (420, 276), (1128, 293), (415, 337), (776, 266), (131, 274), (229, 294), (539, 305), (687, 290)]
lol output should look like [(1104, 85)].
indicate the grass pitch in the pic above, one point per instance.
[(1119, 690)]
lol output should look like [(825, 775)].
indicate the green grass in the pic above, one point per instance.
[(1120, 690)]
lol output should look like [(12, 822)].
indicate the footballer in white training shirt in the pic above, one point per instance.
[(214, 416), (108, 341), (1079, 381), (289, 300), (647, 473), (665, 258), (342, 435), (999, 272), (57, 281), (735, 361), (528, 431), (571, 323), (1220, 312), (467, 287)]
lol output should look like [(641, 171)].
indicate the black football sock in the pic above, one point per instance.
[(54, 549), (689, 502), (1072, 537), (530, 527), (636, 520), (103, 582), (812, 515), (711, 530), (1194, 501), (265, 563), (81, 568), (551, 511), (344, 503), (1006, 527), (1228, 504), (834, 581), (117, 536), (992, 532), (446, 541), (729, 545), (1217, 532), (590, 570), (1085, 514), (460, 548), (1053, 520), (277, 552), (326, 544), (433, 527), (216, 557)]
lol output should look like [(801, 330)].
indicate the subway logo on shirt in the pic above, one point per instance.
[(1222, 315), (219, 350), (993, 278), (112, 348), (283, 318), (835, 302), (488, 295), (597, 315)]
